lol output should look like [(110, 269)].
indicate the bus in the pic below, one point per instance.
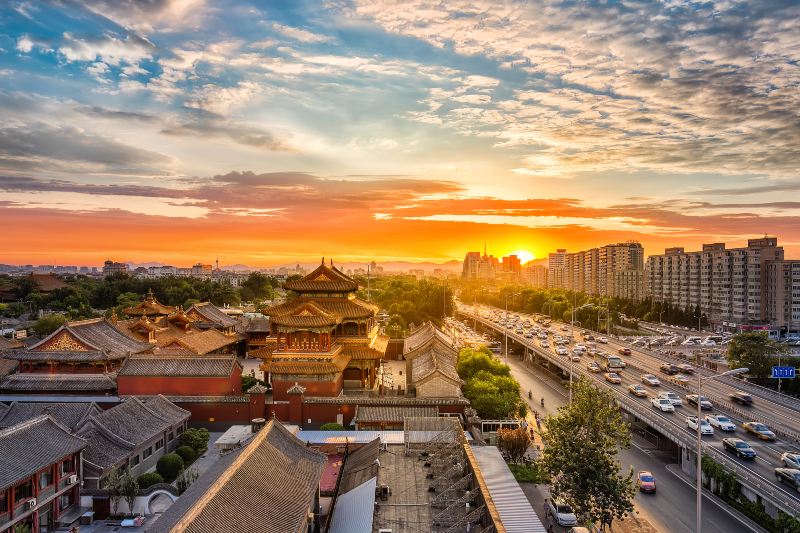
[(613, 363)]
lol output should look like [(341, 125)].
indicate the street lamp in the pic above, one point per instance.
[(700, 381), (505, 329)]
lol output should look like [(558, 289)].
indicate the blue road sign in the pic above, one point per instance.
[(783, 372)]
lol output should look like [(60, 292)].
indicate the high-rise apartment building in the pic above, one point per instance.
[(783, 294), (111, 267), (728, 284), (477, 266), (611, 270), (511, 263), (536, 276), (556, 268)]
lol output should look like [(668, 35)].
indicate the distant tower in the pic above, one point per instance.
[(484, 248), (217, 263)]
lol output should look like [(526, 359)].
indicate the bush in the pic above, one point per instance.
[(195, 438), (331, 426), (149, 478), (169, 466), (187, 453)]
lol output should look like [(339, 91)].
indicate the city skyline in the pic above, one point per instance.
[(271, 135)]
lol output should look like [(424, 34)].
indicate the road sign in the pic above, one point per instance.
[(784, 372)]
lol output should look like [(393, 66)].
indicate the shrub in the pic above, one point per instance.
[(187, 453), (195, 438), (331, 426), (169, 466), (149, 478)]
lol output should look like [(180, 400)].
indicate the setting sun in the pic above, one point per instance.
[(524, 256)]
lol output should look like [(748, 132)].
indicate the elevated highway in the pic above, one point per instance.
[(756, 476)]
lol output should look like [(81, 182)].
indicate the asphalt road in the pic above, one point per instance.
[(672, 508)]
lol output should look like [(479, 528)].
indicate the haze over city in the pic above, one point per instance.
[(269, 133)]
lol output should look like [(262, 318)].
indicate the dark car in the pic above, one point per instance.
[(741, 397), (669, 369), (790, 476), (686, 368), (624, 351), (739, 447)]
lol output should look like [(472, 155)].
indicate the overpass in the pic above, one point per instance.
[(780, 414)]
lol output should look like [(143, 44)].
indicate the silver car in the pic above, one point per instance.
[(791, 459)]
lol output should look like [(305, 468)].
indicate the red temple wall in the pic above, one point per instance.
[(181, 386)]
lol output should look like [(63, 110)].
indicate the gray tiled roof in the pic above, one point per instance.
[(425, 334), (391, 413), (268, 486), (433, 359), (66, 356), (359, 466), (176, 366), (58, 382), (258, 325), (115, 433), (213, 314), (68, 414), (100, 334), (33, 445)]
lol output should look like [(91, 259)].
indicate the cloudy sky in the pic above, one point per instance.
[(267, 132)]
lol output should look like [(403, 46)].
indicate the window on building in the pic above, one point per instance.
[(147, 452), (23, 491), (65, 500), (159, 444), (68, 466), (3, 502), (135, 460), (45, 479), (171, 436)]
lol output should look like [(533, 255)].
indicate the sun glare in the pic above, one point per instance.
[(524, 256)]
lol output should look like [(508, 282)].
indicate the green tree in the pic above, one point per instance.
[(581, 444), (129, 488), (514, 442), (186, 478), (756, 351), (187, 453), (148, 479), (169, 466), (113, 484), (49, 323), (331, 426), (196, 438), (471, 361), (257, 286)]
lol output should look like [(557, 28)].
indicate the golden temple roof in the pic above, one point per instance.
[(149, 307), (323, 279)]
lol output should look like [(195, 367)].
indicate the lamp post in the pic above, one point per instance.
[(700, 381), (505, 329)]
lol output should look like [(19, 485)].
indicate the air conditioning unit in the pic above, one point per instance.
[(30, 504), (71, 480)]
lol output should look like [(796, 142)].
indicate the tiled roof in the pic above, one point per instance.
[(207, 341), (323, 279), (425, 334), (213, 314), (61, 356), (268, 486), (296, 389), (258, 325), (335, 309), (33, 445), (258, 388), (148, 307), (435, 359), (99, 334), (359, 466), (332, 365), (48, 282), (58, 382), (68, 414), (8, 344), (305, 313), (391, 413), (114, 433), (179, 366), (7, 366)]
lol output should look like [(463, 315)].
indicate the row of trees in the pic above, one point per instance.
[(488, 385), (590, 311), (408, 300)]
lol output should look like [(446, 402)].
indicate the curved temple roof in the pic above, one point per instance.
[(323, 279)]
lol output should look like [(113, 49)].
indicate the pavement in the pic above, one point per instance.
[(671, 510)]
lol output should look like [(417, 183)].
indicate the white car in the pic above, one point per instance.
[(663, 404), (544, 344), (650, 379), (721, 421), (602, 340), (705, 427), (672, 397), (562, 351), (576, 358), (562, 513)]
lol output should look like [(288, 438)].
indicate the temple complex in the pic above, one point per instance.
[(325, 339)]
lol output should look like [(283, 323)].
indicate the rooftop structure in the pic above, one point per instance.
[(149, 307), (68, 414), (180, 375)]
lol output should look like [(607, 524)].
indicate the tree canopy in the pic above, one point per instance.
[(581, 444), (488, 385), (756, 351)]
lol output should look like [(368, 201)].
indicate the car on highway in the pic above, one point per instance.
[(645, 481), (679, 379), (594, 367), (669, 369), (613, 377), (663, 404), (686, 368), (791, 459), (575, 358), (672, 397), (741, 397), (705, 427), (544, 344), (721, 421), (562, 351), (637, 390), (704, 403), (602, 340), (790, 476), (650, 379), (739, 447), (624, 351), (759, 430), (561, 513)]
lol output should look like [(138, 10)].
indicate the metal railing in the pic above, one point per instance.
[(670, 428)]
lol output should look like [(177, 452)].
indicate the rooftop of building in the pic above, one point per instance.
[(324, 278)]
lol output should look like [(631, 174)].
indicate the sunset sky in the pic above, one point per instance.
[(274, 132)]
